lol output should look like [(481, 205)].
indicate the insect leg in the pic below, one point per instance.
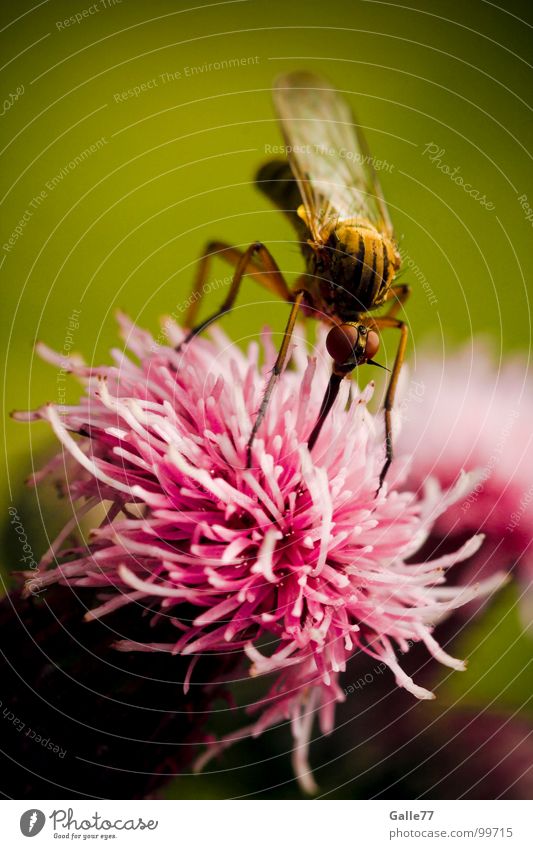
[(382, 323), (297, 299), (399, 294), (268, 274)]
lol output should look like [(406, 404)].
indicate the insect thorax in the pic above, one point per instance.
[(354, 268)]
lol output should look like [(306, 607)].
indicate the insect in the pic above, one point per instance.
[(329, 188)]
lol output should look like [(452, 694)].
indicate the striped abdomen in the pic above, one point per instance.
[(355, 268)]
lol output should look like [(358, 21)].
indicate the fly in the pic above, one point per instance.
[(329, 188)]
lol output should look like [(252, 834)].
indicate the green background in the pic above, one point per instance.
[(124, 227)]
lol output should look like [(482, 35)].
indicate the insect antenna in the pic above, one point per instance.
[(374, 363)]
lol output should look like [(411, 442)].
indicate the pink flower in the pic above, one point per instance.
[(294, 562), (461, 412)]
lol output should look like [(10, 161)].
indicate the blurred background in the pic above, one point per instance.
[(131, 133)]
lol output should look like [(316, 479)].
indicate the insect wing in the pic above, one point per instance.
[(328, 155)]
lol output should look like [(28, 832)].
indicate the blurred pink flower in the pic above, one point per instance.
[(462, 412), (294, 562)]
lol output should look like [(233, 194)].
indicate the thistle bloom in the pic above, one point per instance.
[(460, 413), (294, 562)]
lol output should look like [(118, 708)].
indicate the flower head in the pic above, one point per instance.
[(294, 562)]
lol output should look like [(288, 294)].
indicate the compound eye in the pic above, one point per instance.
[(341, 342), (372, 345)]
